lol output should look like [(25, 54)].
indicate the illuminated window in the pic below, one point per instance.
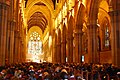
[(34, 44), (84, 43), (107, 41)]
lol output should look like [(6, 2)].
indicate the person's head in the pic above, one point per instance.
[(31, 67), (63, 75)]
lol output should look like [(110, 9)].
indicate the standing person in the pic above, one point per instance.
[(31, 73)]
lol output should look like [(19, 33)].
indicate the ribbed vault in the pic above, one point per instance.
[(38, 19)]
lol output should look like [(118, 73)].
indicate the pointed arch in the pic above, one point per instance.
[(64, 33), (80, 16), (105, 34), (70, 25), (93, 14), (59, 36)]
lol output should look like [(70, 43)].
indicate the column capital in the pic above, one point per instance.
[(70, 38), (58, 44), (78, 32), (114, 12), (79, 26), (3, 5), (63, 42), (92, 26), (17, 33), (12, 25)]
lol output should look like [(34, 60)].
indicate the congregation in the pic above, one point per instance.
[(59, 71)]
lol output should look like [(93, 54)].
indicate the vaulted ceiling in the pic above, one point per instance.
[(54, 1), (38, 13), (38, 19)]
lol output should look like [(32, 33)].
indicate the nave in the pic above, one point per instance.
[(73, 32)]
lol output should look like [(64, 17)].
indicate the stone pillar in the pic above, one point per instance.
[(55, 54), (92, 44), (7, 57), (63, 45), (76, 37), (63, 51), (19, 39), (115, 36), (55, 49), (59, 47), (16, 40), (3, 29), (70, 48), (11, 42), (58, 52), (78, 46)]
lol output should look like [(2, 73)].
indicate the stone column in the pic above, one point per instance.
[(16, 40), (59, 52), (59, 47), (3, 29), (55, 54), (19, 39), (63, 51), (92, 44), (78, 44), (115, 36), (70, 48), (7, 57), (76, 37), (55, 49), (11, 42), (63, 45)]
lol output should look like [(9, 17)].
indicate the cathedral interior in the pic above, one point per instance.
[(60, 31)]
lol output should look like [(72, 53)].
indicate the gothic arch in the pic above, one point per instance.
[(103, 11), (80, 17), (64, 31), (103, 21), (93, 13), (70, 25), (70, 39), (105, 33), (43, 6)]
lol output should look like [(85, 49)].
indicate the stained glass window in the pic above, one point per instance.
[(34, 44), (107, 41), (85, 43)]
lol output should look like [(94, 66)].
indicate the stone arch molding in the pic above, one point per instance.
[(38, 9), (93, 14), (103, 11), (47, 9), (80, 16), (71, 25), (48, 3)]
